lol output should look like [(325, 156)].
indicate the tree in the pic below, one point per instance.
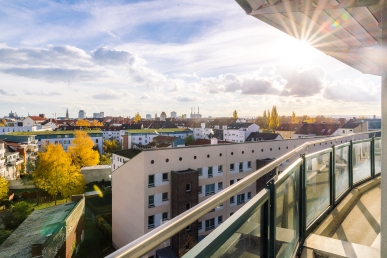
[(235, 114), (81, 151), (81, 122), (137, 117), (18, 214), (56, 174), (95, 123), (104, 159), (268, 119), (189, 139), (2, 122), (110, 146), (3, 188), (294, 119), (274, 119)]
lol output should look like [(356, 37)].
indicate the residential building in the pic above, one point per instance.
[(121, 157), (202, 132), (287, 130), (257, 136), (55, 231), (144, 188), (2, 157), (34, 120), (238, 132), (207, 142), (163, 116), (13, 162), (317, 130), (65, 138), (353, 126), (12, 129), (82, 114), (145, 136)]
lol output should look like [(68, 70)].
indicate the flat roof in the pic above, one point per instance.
[(129, 153), (164, 130), (52, 132), (96, 167), (35, 230)]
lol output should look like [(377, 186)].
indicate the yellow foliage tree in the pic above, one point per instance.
[(81, 122), (82, 152), (294, 119), (2, 122), (235, 114), (110, 145), (56, 174), (137, 117), (3, 188), (96, 123), (274, 119)]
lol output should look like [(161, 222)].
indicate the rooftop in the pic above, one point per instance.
[(130, 153), (52, 132), (164, 130)]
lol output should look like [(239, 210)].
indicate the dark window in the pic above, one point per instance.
[(241, 166), (200, 225), (220, 168), (249, 195), (188, 206), (249, 164), (220, 220), (165, 196), (200, 170), (231, 182), (210, 189), (220, 185), (151, 221), (232, 166), (165, 216), (188, 228), (151, 201), (188, 187), (240, 198), (210, 224), (165, 176), (232, 200), (210, 172), (200, 189), (151, 181)]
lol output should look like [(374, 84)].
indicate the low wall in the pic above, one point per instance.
[(96, 173), (16, 184)]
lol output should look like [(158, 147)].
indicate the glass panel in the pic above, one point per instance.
[(246, 241), (378, 160), (317, 186), (342, 171), (287, 215), (361, 161)]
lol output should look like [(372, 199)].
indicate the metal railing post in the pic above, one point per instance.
[(332, 175), (350, 161), (302, 201), (372, 153), (272, 220), (265, 243)]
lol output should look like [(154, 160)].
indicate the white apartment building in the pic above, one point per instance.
[(238, 132), (142, 184), (35, 128), (2, 158), (34, 120), (202, 132)]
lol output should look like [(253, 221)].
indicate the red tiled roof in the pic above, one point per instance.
[(37, 118)]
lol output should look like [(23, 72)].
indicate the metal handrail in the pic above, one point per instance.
[(152, 239)]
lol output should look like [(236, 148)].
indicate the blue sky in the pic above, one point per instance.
[(123, 57)]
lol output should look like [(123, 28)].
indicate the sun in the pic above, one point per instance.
[(294, 51)]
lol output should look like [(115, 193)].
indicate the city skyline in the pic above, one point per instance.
[(149, 57)]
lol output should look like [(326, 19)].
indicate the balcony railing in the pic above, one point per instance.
[(279, 218)]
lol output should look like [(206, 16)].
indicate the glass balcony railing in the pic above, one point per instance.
[(276, 221)]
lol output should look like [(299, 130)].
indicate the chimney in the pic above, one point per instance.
[(214, 141)]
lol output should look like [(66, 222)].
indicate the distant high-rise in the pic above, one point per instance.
[(173, 114), (82, 114), (148, 116)]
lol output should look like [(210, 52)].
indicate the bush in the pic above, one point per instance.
[(19, 213)]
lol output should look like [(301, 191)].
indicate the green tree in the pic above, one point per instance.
[(235, 114), (3, 188), (81, 151), (56, 174), (189, 139), (18, 214)]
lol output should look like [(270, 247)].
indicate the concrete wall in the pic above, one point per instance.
[(96, 173)]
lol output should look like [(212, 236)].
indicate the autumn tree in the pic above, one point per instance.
[(81, 122), (294, 119), (110, 146), (2, 122), (82, 152), (94, 123), (137, 117), (235, 114), (3, 188), (56, 174), (274, 119)]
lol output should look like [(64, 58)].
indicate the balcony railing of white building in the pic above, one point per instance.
[(279, 218)]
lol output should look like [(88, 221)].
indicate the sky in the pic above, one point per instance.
[(124, 57)]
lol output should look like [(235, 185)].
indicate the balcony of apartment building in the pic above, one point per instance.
[(325, 204)]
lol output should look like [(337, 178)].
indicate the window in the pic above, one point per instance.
[(210, 224), (231, 214), (165, 216), (188, 187), (200, 170), (249, 195), (188, 228), (220, 169), (151, 181), (165, 196), (220, 220), (96, 140), (249, 164), (200, 189), (200, 225), (210, 189), (232, 167), (210, 172), (220, 185), (151, 201), (231, 182), (232, 200), (188, 206), (151, 221), (240, 166), (165, 176), (240, 198)]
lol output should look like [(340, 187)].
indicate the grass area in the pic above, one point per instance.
[(165, 130), (4, 234), (95, 244), (52, 132)]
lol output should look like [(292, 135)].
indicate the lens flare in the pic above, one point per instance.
[(335, 24), (96, 188)]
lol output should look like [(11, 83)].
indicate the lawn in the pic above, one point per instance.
[(95, 244)]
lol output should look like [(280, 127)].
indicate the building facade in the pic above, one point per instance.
[(238, 132)]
